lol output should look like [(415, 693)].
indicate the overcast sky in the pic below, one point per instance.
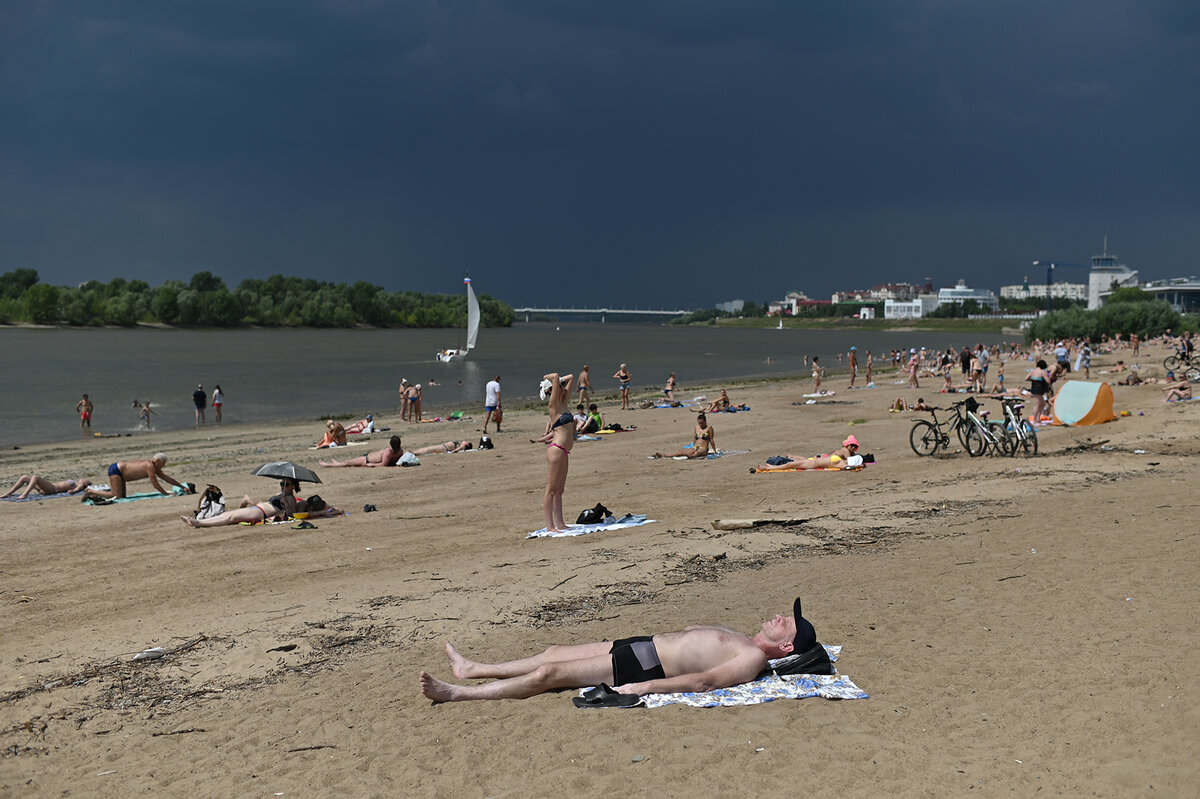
[(642, 152)]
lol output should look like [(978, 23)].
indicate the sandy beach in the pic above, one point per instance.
[(1021, 625)]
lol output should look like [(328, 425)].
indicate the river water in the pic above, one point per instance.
[(272, 375)]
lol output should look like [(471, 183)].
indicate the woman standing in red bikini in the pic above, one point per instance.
[(557, 390)]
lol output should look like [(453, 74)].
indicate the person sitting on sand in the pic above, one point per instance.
[(838, 459), (446, 447), (1174, 392), (123, 472), (704, 440), (591, 423), (388, 456), (35, 482), (698, 658), (721, 403), (335, 433)]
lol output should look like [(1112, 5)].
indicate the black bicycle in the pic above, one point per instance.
[(1184, 358), (926, 438)]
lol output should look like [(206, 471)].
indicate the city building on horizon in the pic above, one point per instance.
[(1030, 291), (961, 292), (1181, 293)]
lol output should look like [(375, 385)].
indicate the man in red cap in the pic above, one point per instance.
[(697, 658)]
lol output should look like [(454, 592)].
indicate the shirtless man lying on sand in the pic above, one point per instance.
[(697, 658), (388, 456), (123, 472)]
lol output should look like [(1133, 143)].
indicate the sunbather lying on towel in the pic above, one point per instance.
[(362, 425), (445, 447), (697, 658), (273, 509), (35, 482), (388, 456), (838, 459)]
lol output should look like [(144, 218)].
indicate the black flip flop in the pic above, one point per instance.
[(603, 696), (305, 524)]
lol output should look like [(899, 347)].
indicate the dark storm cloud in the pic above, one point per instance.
[(677, 152)]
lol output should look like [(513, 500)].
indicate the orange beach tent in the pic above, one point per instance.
[(1079, 402)]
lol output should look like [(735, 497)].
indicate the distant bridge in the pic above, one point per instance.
[(602, 311)]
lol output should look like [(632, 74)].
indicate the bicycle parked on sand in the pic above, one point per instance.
[(1183, 359), (1019, 432), (973, 431)]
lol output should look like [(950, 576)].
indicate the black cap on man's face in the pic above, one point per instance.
[(806, 636)]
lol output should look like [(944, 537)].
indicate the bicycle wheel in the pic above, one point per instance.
[(975, 443), (1171, 362), (1028, 444), (1006, 443), (924, 438), (961, 428)]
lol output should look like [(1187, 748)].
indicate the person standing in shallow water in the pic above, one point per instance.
[(200, 400), (84, 408), (218, 399)]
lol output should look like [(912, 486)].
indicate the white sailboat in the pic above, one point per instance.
[(445, 356)]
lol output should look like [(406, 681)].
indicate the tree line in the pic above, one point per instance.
[(205, 301), (1128, 310)]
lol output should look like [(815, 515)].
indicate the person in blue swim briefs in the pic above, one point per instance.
[(124, 472)]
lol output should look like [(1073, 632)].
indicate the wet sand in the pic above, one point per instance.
[(1021, 625)]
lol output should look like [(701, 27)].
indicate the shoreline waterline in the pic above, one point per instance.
[(275, 376)]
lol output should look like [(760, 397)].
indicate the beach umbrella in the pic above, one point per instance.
[(287, 469)]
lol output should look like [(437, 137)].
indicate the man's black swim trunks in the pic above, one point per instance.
[(635, 660)]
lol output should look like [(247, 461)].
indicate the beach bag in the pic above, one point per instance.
[(486, 443), (409, 459), (594, 515), (212, 503), (814, 660), (497, 416)]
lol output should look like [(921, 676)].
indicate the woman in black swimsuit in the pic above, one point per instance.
[(562, 437), (1039, 387)]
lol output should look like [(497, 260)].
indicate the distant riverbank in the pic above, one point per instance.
[(843, 323)]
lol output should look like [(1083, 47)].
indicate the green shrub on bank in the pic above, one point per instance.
[(205, 301), (1145, 317)]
